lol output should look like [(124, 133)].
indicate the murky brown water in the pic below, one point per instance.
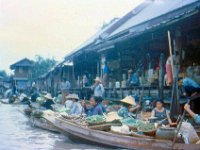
[(16, 133)]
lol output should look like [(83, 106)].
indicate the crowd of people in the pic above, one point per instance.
[(128, 106)]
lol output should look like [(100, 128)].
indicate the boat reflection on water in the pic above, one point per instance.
[(16, 133)]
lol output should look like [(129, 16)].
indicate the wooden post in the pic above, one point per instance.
[(174, 107), (161, 77)]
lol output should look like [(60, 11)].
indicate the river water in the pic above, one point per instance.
[(16, 133)]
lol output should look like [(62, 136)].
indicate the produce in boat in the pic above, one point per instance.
[(147, 128), (131, 122), (96, 119)]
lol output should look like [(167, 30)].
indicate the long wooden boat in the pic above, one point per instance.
[(111, 139), (40, 122), (43, 124), (4, 101)]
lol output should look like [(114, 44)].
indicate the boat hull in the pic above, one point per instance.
[(110, 139), (43, 124)]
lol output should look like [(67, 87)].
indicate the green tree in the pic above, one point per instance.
[(3, 74), (42, 66)]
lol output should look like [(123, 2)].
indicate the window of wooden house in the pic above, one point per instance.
[(20, 70)]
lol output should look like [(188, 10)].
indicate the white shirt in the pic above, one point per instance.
[(68, 104), (99, 90)]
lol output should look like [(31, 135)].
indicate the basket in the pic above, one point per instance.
[(148, 133)]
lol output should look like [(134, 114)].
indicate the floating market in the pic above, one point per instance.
[(135, 84)]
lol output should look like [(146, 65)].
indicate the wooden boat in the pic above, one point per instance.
[(43, 124), (111, 139), (4, 101), (40, 122)]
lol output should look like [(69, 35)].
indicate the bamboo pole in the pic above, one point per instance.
[(170, 52)]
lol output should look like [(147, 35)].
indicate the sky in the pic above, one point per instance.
[(52, 28)]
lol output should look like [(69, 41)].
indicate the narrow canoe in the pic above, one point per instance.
[(40, 122), (43, 124), (112, 139)]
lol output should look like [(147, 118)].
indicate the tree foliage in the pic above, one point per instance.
[(42, 66), (3, 74)]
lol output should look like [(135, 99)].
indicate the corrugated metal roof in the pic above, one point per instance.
[(155, 8), (100, 34)]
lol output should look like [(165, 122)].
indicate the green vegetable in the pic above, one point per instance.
[(147, 127), (95, 119), (131, 122)]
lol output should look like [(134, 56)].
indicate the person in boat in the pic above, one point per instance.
[(161, 113), (58, 99), (98, 88), (34, 94), (191, 88), (95, 109), (100, 101), (76, 108), (24, 99), (128, 108), (69, 102), (48, 101), (195, 116)]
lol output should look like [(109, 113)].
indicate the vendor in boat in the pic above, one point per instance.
[(49, 101), (196, 117), (58, 99), (69, 101), (161, 114), (128, 108), (95, 107), (100, 101), (76, 108)]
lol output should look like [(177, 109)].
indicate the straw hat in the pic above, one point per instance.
[(112, 116), (23, 95), (44, 92), (48, 96), (129, 100), (97, 79), (72, 96), (75, 96), (69, 96)]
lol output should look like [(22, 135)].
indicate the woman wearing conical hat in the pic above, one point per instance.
[(127, 109), (49, 101)]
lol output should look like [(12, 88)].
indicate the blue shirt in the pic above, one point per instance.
[(190, 82), (48, 104), (197, 119), (123, 112), (96, 110), (134, 79), (105, 69)]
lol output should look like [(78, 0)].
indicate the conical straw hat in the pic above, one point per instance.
[(129, 100), (48, 96), (112, 116)]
